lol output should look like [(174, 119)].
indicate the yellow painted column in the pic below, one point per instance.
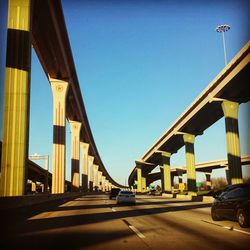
[(139, 179), (110, 186), (165, 172), (33, 187), (230, 110), (16, 99), (95, 176), (99, 180), (85, 152), (91, 172), (143, 184), (190, 163), (180, 175), (75, 128), (208, 180), (59, 90), (103, 183)]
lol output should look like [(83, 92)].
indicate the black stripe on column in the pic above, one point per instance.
[(59, 134), (18, 49)]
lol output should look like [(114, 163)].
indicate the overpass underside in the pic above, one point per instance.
[(41, 24), (220, 99)]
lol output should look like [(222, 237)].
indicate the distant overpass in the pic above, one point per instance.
[(205, 167), (43, 27), (220, 99)]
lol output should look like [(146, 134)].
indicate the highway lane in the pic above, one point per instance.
[(95, 222)]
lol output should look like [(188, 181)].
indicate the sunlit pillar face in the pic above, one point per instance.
[(85, 151), (165, 172), (59, 90), (190, 163), (208, 180), (91, 172), (139, 179), (16, 99), (75, 128), (230, 110)]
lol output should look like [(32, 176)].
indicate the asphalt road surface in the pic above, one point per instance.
[(95, 222)]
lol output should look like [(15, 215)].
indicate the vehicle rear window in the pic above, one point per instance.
[(126, 192)]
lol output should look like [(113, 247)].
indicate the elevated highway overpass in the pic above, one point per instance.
[(41, 24), (205, 167), (220, 99)]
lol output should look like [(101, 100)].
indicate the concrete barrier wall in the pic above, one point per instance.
[(29, 200)]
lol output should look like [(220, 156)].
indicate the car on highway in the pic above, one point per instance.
[(114, 192), (125, 196), (233, 203)]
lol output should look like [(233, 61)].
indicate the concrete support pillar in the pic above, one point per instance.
[(33, 187), (85, 151), (42, 186), (95, 175), (190, 163), (208, 180), (59, 90), (230, 110), (103, 183), (75, 128), (172, 180), (165, 172), (106, 185), (141, 180), (91, 172), (99, 180), (16, 99), (227, 174), (180, 175), (46, 178)]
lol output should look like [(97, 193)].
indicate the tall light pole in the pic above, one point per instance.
[(46, 161), (222, 29)]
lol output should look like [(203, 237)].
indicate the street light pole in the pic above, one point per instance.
[(222, 29), (46, 163)]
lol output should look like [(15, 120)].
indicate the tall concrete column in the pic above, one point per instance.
[(208, 180), (103, 183), (91, 172), (190, 163), (110, 186), (165, 172), (141, 180), (100, 180), (75, 128), (85, 151), (180, 175), (59, 90), (230, 110), (95, 176), (16, 99), (227, 174)]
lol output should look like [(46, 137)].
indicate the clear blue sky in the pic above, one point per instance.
[(139, 65)]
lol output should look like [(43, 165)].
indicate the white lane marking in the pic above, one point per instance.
[(139, 234), (228, 228), (241, 231), (134, 229)]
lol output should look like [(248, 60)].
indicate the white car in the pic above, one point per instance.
[(125, 196)]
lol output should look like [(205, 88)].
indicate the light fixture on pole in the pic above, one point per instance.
[(222, 29)]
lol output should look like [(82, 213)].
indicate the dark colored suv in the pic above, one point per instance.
[(233, 203), (114, 192)]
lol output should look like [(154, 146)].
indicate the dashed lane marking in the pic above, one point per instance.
[(134, 229), (228, 228)]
